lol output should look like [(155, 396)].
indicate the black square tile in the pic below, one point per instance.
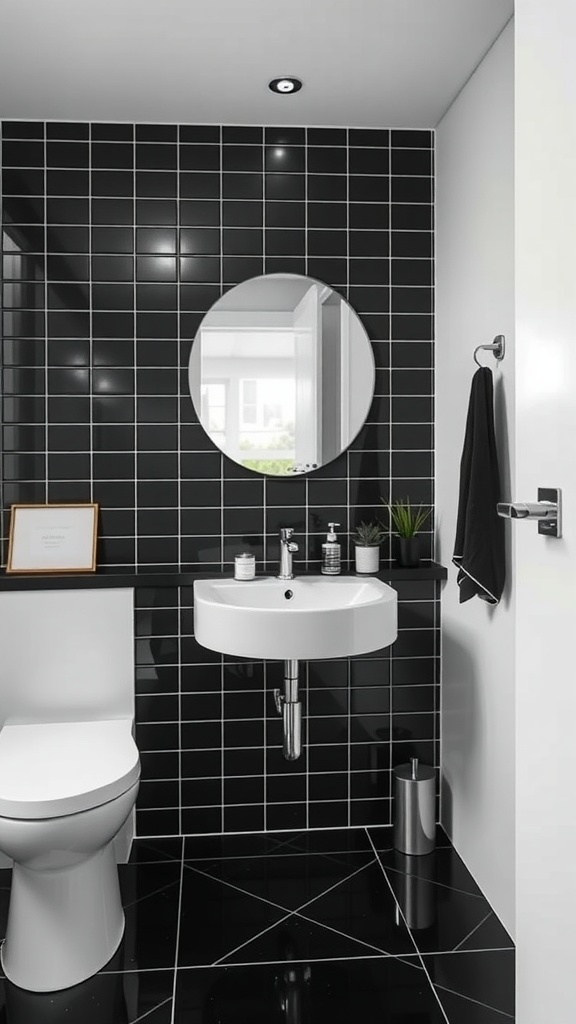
[(23, 154), (200, 241), (412, 161), (285, 159), (112, 132), (241, 158), (200, 158), (368, 160), (332, 270), (239, 214), (112, 240), (156, 184), (67, 130), (284, 242), (242, 242), (241, 186), (242, 134), (327, 188), (199, 185), (156, 157), (280, 186), (112, 211), (284, 136), (22, 129), (412, 189), (201, 133)]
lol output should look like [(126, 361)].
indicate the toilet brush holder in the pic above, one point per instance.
[(414, 808)]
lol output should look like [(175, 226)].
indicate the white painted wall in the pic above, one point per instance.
[(545, 575), (475, 301)]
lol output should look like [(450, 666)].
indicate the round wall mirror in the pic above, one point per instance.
[(281, 374)]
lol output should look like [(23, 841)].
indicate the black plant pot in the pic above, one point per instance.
[(409, 552)]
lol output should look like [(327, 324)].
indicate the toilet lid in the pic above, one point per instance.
[(59, 768)]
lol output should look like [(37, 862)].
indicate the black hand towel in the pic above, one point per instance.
[(479, 546)]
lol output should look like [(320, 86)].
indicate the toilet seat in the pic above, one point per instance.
[(58, 768)]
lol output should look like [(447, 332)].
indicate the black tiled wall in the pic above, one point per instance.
[(116, 241)]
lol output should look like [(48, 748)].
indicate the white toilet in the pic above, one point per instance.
[(69, 771)]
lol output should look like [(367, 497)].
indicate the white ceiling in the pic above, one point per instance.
[(363, 62)]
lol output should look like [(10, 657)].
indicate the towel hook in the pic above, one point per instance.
[(498, 347)]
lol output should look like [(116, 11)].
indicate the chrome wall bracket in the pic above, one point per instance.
[(547, 510)]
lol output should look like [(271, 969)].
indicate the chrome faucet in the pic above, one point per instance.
[(287, 549)]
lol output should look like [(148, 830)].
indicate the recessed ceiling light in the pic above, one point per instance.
[(285, 85)]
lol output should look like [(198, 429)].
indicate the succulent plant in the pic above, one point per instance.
[(406, 521), (369, 535)]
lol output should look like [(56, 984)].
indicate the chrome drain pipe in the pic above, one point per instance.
[(290, 708)]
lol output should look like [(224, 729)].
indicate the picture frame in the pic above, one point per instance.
[(56, 538)]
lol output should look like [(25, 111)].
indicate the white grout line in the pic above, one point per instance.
[(177, 943)]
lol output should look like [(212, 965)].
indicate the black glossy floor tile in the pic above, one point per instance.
[(443, 866), (288, 880), (295, 938), (485, 978), (217, 918), (460, 1010), (113, 998), (363, 908), (491, 934), (150, 896), (440, 918), (375, 991)]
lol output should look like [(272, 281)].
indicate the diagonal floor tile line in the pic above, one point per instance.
[(431, 881), (475, 929), (238, 888), (401, 912), (154, 892), (335, 885), (467, 952), (487, 1006), (151, 1010), (258, 935), (177, 943), (351, 938)]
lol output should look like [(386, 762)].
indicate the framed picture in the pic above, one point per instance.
[(52, 538)]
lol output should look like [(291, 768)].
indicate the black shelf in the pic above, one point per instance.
[(100, 580)]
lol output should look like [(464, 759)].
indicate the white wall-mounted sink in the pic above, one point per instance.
[(304, 618)]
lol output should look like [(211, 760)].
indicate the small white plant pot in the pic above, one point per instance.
[(367, 559)]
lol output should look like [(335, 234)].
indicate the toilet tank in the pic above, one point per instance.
[(66, 655)]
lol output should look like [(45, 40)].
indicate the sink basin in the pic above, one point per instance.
[(304, 618)]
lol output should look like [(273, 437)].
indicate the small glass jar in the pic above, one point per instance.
[(244, 566)]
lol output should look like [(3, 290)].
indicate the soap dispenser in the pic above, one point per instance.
[(331, 553)]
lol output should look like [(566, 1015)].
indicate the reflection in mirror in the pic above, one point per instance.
[(281, 374)]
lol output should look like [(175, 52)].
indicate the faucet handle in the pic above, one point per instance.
[(286, 532)]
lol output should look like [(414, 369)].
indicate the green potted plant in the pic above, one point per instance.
[(405, 523), (367, 538)]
